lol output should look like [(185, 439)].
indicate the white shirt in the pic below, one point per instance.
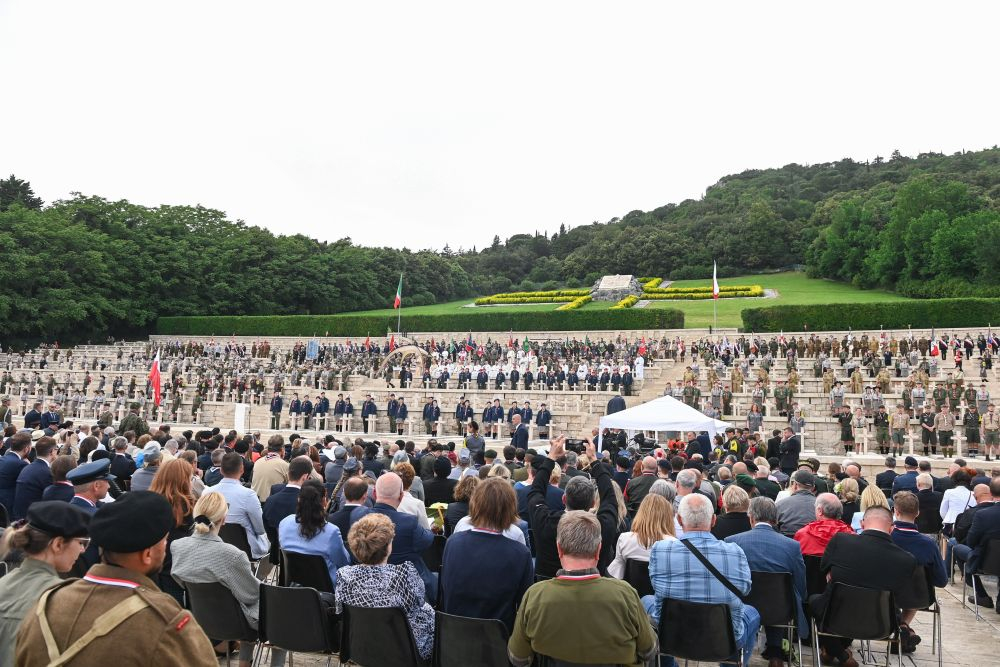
[(955, 502), (410, 505), (512, 532), (629, 547)]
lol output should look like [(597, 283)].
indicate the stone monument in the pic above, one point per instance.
[(615, 288)]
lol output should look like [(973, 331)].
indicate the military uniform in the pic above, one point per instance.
[(881, 421), (127, 605), (971, 423), (133, 422)]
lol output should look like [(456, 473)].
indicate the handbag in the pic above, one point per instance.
[(715, 572)]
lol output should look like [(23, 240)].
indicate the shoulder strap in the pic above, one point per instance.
[(711, 568), (104, 624)]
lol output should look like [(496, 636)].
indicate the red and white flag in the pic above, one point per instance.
[(154, 378), (398, 301), (392, 342), (715, 281), (642, 346), (368, 343)]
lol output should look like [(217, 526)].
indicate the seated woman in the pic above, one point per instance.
[(515, 530), (653, 522), (374, 583), (482, 548), (870, 497), (409, 504), (459, 509), (308, 532), (51, 540), (203, 558)]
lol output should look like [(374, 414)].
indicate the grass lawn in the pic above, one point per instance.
[(793, 288)]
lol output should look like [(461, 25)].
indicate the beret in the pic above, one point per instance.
[(910, 461), (136, 521), (745, 481), (58, 518)]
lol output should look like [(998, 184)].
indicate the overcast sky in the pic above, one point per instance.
[(415, 124)]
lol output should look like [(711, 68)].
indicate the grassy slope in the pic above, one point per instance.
[(793, 289)]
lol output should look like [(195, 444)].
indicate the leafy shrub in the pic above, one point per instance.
[(650, 283), (627, 302), (750, 291), (891, 315), (576, 303)]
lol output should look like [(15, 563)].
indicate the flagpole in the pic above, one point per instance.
[(399, 315)]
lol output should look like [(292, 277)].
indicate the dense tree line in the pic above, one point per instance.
[(84, 267)]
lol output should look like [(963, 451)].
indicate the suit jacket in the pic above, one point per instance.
[(964, 521), (10, 467), (31, 485), (520, 438), (768, 550), (869, 560), (411, 539), (122, 467), (342, 519), (884, 480), (985, 527), (278, 505), (929, 519), (58, 491), (790, 450)]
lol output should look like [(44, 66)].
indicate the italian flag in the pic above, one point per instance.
[(399, 293), (715, 281)]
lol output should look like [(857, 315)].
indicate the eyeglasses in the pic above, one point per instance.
[(84, 542)]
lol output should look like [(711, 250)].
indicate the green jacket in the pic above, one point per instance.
[(19, 591)]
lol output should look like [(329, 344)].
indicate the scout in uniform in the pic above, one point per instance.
[(881, 421), (971, 423), (944, 424), (846, 428), (900, 425), (928, 436), (991, 430), (96, 620)]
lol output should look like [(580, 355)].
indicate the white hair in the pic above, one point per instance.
[(696, 512), (687, 478)]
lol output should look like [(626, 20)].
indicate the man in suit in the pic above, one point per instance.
[(276, 405), (770, 551), (122, 465), (884, 479), (355, 492), (33, 417), (789, 451), (283, 498), (985, 527), (519, 439), (616, 404), (411, 538), (50, 420), (34, 478), (11, 465), (868, 560)]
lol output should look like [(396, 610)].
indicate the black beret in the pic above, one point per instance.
[(58, 519), (136, 521)]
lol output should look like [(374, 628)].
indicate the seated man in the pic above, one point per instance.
[(868, 560), (985, 527), (770, 551), (547, 622), (906, 507), (677, 573), (813, 537), (956, 546)]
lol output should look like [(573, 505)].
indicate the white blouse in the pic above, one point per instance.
[(955, 502), (629, 547)]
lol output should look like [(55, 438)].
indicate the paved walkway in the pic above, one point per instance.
[(967, 642)]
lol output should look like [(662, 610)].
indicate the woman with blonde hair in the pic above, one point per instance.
[(872, 496), (847, 489), (173, 482), (499, 470), (653, 522), (203, 558)]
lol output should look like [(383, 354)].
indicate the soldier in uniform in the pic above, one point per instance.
[(6, 414), (737, 382), (881, 422), (954, 397), (846, 428), (944, 424), (928, 435), (133, 422), (96, 620), (971, 423), (175, 404), (856, 381), (196, 406)]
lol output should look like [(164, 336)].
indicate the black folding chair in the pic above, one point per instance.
[(989, 565), (815, 579), (393, 644), (772, 594), (295, 619), (219, 614), (637, 574), (460, 641), (865, 614), (678, 617), (4, 517), (306, 570), (434, 554), (920, 595)]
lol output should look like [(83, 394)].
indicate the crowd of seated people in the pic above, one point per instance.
[(559, 526)]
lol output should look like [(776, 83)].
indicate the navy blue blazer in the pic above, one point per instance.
[(411, 539), (985, 527), (31, 484), (279, 504), (10, 467), (768, 550), (63, 492)]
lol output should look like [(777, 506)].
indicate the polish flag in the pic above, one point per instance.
[(715, 281), (154, 378)]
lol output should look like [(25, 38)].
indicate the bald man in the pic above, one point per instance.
[(638, 487), (411, 539)]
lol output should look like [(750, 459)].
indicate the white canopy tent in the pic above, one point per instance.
[(663, 414)]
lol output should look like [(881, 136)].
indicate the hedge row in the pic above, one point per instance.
[(890, 315), (700, 290), (650, 283), (627, 302), (477, 320), (499, 298), (578, 302), (494, 300), (754, 291)]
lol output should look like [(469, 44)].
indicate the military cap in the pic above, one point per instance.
[(134, 522), (804, 478), (133, 406), (90, 472), (745, 482), (58, 519)]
